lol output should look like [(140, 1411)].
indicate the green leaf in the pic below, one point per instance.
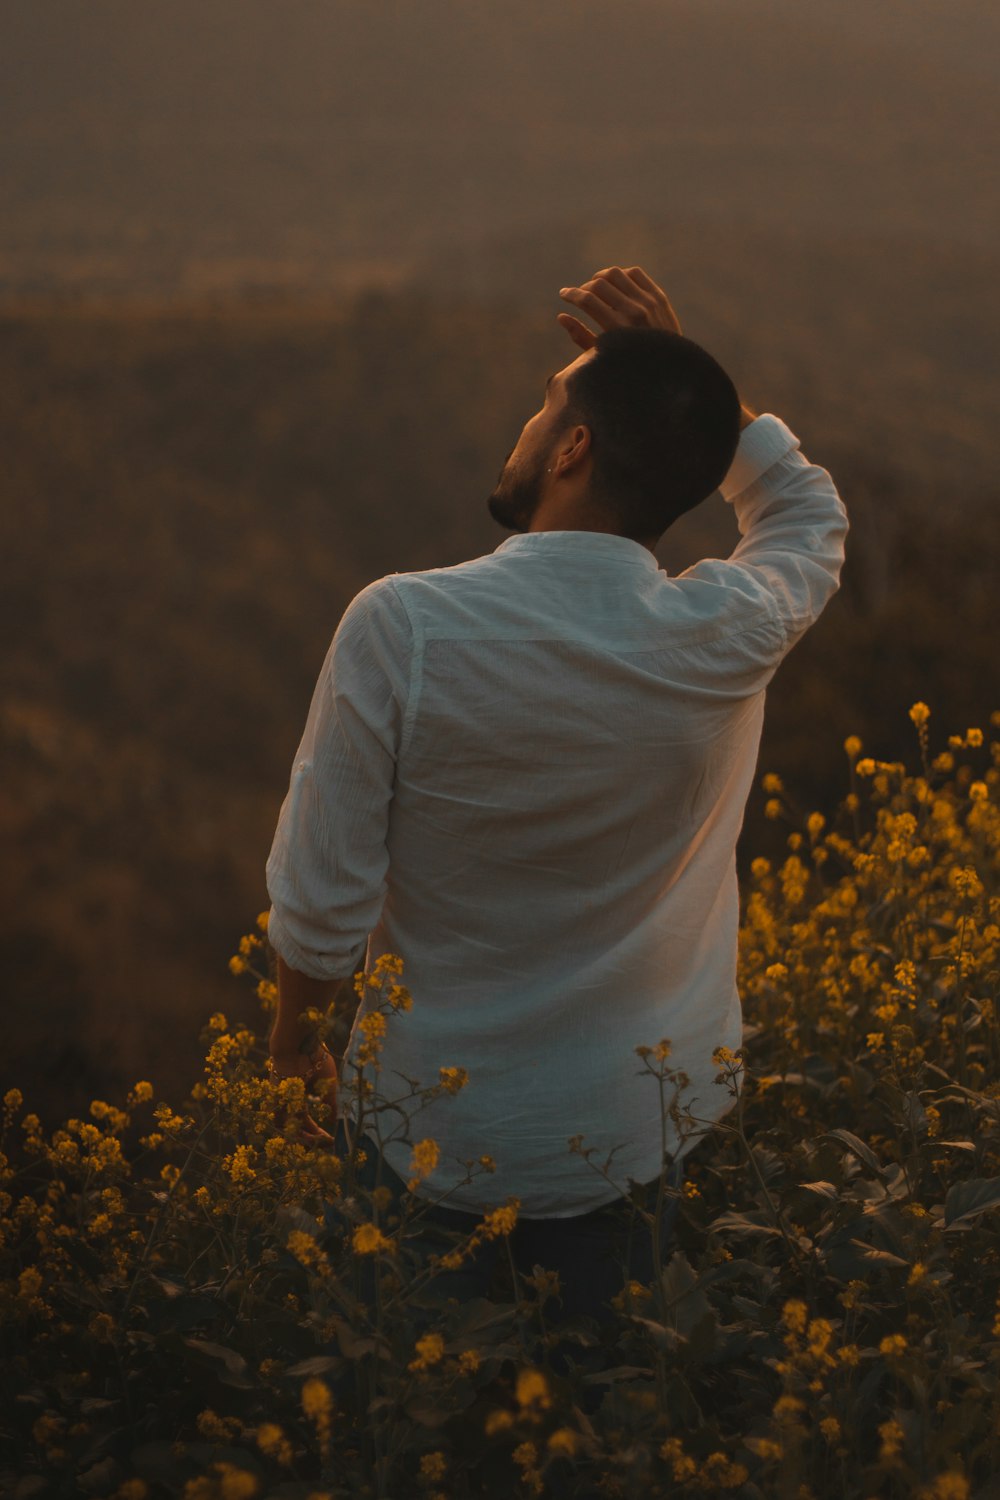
[(687, 1303), (861, 1151), (741, 1224), (822, 1189), (318, 1364), (967, 1199), (230, 1366)]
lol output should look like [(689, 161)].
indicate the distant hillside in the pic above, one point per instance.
[(190, 503)]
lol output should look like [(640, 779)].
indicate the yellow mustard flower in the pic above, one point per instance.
[(424, 1157), (892, 1436), (532, 1388), (501, 1220), (271, 1440), (430, 1350), (368, 1238), (433, 1465)]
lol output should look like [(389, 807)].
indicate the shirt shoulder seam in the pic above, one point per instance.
[(415, 675)]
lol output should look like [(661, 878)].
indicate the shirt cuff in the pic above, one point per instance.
[(762, 443), (311, 964)]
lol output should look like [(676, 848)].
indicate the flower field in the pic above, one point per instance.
[(180, 1282)]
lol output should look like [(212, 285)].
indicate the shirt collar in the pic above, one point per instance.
[(604, 545)]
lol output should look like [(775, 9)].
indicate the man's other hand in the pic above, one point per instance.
[(323, 1084), (614, 298)]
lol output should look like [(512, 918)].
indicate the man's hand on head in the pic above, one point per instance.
[(614, 298)]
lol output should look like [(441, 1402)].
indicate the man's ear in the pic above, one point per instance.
[(572, 450)]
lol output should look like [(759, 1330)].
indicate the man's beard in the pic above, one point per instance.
[(518, 491)]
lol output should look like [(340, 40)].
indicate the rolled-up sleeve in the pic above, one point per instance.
[(326, 872), (792, 524)]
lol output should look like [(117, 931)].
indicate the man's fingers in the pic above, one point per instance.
[(578, 332), (593, 305), (638, 275), (612, 300), (620, 283)]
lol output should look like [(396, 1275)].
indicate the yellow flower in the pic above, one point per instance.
[(373, 1025), (240, 1165), (525, 1455), (532, 1388), (764, 1447), (979, 791), (853, 746), (218, 1429), (772, 783), (684, 1467), (234, 1483), (772, 808), (237, 964), (368, 1238), (892, 1436), (815, 824), (947, 1487), (143, 1092), (794, 1314), (892, 1344), (830, 1428), (497, 1421), (563, 1440), (433, 1465), (424, 1157), (317, 1399), (918, 1272), (974, 738), (920, 713), (453, 1079), (759, 868), (501, 1220), (865, 768), (304, 1247), (430, 1349), (468, 1361), (262, 920), (722, 1473), (272, 1441)]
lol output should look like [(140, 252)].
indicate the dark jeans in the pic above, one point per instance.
[(594, 1253)]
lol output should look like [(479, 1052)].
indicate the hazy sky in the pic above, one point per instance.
[(138, 141)]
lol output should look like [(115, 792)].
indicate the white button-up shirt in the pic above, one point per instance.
[(526, 775)]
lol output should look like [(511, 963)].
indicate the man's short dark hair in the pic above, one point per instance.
[(664, 420)]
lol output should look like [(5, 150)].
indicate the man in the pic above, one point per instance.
[(526, 775)]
